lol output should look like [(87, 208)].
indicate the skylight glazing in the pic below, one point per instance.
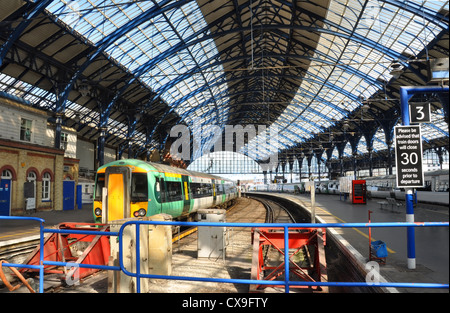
[(392, 32), (158, 45)]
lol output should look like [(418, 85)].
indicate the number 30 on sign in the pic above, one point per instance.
[(408, 156)]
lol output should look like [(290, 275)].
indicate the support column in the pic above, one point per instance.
[(58, 129), (101, 146), (405, 94), (370, 161)]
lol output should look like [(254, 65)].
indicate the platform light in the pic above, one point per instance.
[(345, 125), (365, 108), (331, 137), (396, 69), (438, 70), (84, 89)]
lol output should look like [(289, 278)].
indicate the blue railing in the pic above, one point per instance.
[(287, 283)]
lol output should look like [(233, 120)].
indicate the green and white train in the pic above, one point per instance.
[(135, 188)]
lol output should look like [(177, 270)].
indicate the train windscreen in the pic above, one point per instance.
[(99, 184), (139, 187)]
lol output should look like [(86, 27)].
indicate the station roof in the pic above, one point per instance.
[(321, 73)]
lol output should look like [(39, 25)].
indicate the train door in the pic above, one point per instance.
[(186, 194), (222, 191), (117, 182), (160, 193), (214, 191)]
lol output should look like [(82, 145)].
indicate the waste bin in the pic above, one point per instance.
[(379, 249)]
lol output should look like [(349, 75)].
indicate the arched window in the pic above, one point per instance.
[(46, 179), (31, 178), (6, 174)]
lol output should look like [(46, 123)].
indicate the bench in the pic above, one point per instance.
[(382, 204), (395, 206)]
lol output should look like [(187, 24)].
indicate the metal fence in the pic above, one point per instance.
[(287, 283)]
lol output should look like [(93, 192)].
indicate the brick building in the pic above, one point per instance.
[(34, 175)]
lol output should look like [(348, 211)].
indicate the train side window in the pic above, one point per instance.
[(99, 184), (139, 187), (219, 189), (174, 192), (200, 190)]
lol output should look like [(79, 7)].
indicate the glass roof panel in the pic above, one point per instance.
[(97, 19), (361, 41), (392, 29)]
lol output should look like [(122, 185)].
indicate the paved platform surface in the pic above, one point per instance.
[(432, 243), (11, 230), (235, 265)]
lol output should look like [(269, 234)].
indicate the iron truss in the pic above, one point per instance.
[(123, 72)]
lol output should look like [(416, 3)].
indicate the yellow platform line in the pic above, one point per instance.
[(19, 234), (357, 230)]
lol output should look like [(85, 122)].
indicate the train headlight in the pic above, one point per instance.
[(98, 212), (142, 212)]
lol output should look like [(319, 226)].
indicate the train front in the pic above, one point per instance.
[(123, 190)]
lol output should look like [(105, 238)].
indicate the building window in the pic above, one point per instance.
[(6, 174), (31, 177), (25, 129), (46, 186), (64, 140)]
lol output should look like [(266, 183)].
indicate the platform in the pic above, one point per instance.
[(432, 243), (236, 264), (13, 230)]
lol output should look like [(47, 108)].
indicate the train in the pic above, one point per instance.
[(321, 187), (435, 191), (136, 188)]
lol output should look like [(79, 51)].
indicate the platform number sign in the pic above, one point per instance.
[(408, 156), (419, 113)]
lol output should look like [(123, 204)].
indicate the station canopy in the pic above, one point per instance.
[(317, 73)]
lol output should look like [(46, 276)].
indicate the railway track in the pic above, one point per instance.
[(18, 252), (302, 259), (280, 212)]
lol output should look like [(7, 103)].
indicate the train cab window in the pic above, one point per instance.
[(99, 184), (139, 187)]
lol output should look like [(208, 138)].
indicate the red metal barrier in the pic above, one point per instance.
[(301, 240), (75, 248)]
